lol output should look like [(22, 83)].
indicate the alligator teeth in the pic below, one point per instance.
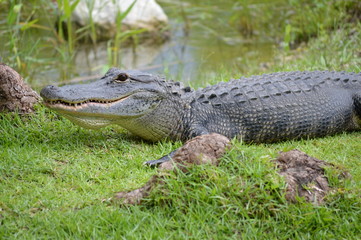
[(79, 103)]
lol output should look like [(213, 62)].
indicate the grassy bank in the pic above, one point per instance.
[(54, 176)]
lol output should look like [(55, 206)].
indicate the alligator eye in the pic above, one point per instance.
[(121, 77)]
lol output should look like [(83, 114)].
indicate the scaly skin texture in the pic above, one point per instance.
[(266, 108)]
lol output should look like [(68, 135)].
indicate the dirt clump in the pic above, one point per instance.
[(305, 176), (205, 149), (15, 94)]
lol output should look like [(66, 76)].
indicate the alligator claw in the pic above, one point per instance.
[(156, 163)]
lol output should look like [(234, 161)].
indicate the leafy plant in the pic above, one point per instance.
[(120, 36), (38, 26), (13, 20), (307, 17), (67, 8)]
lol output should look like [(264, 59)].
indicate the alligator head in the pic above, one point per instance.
[(120, 97)]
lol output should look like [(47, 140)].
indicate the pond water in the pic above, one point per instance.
[(202, 42)]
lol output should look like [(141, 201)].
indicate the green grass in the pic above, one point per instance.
[(303, 19), (54, 176)]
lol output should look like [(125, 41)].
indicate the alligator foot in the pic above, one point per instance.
[(156, 163)]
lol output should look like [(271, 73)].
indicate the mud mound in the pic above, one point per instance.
[(305, 176), (135, 197), (205, 149), (15, 95)]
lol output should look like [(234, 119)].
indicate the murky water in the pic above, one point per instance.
[(202, 43)]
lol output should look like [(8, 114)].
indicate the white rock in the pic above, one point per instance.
[(144, 14)]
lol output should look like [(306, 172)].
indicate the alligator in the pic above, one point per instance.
[(258, 109)]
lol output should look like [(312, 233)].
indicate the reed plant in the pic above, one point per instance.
[(67, 7), (300, 20), (121, 36), (36, 26)]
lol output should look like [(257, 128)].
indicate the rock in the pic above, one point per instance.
[(15, 94), (145, 14)]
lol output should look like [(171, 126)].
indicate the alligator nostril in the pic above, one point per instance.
[(52, 87)]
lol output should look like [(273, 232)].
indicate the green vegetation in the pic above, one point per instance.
[(44, 32), (25, 18), (121, 37), (267, 19), (55, 177), (305, 19)]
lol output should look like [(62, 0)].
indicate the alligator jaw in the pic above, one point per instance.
[(96, 113), (76, 106), (81, 114)]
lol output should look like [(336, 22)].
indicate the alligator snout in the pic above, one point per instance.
[(49, 92)]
